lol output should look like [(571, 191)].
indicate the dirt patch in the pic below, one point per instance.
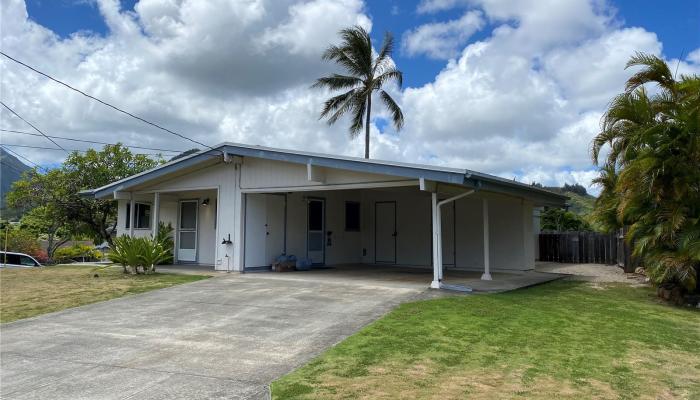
[(425, 380), (599, 273)]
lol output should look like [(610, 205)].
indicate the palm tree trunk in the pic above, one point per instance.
[(369, 111)]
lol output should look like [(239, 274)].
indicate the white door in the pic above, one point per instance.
[(385, 232), (255, 232), (187, 231), (315, 232), (274, 243), (448, 234)]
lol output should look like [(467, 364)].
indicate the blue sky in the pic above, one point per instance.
[(515, 89), (676, 23)]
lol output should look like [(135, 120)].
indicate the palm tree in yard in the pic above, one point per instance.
[(651, 175), (365, 74)]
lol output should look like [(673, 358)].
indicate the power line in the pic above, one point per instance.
[(10, 166), (35, 128), (21, 156), (91, 141), (105, 103), (69, 150)]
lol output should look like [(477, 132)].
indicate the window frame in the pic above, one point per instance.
[(359, 216), (127, 220)]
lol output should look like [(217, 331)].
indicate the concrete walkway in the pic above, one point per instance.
[(226, 337)]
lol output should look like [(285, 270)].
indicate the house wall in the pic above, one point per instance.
[(169, 203), (266, 174), (345, 246), (511, 225)]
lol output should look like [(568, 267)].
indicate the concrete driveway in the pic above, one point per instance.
[(226, 337)]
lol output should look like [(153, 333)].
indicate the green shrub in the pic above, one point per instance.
[(137, 254), (20, 240), (165, 238), (76, 252)]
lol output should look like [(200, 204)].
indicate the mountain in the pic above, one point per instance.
[(580, 202), (10, 171)]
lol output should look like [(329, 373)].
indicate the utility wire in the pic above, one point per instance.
[(68, 150), (21, 156), (91, 141), (35, 128), (105, 103), (10, 166)]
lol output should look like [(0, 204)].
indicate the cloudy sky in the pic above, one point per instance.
[(515, 89)]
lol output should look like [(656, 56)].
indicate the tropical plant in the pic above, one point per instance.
[(138, 252), (165, 238), (651, 175), (365, 75), (123, 251)]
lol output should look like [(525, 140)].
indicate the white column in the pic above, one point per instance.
[(156, 213), (438, 219), (436, 239), (487, 267), (238, 262), (132, 207)]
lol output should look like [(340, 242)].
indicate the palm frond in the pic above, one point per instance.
[(655, 71), (337, 82), (394, 109)]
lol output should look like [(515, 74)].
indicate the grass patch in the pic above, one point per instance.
[(559, 340), (28, 292)]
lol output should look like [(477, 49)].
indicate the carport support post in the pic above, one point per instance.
[(132, 206), (487, 267), (156, 213), (437, 239)]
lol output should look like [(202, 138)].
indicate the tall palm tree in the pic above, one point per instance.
[(365, 74), (651, 176)]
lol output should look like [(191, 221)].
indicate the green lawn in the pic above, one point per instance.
[(26, 292), (559, 340)]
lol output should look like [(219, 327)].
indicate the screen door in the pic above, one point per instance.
[(187, 231)]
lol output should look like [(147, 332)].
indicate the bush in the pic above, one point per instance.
[(138, 255), (20, 241), (41, 256), (165, 238), (76, 252)]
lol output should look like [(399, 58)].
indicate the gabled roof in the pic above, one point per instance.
[(454, 176)]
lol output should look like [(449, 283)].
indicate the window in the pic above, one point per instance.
[(10, 259), (352, 216), (142, 216), (27, 261)]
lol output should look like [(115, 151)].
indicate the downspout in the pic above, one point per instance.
[(438, 228)]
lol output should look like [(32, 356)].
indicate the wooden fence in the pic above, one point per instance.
[(585, 247)]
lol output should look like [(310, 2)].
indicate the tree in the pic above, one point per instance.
[(57, 192), (50, 221), (366, 74), (651, 175), (560, 220), (95, 169)]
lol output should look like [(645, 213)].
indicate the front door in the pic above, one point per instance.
[(315, 244), (274, 227), (187, 231), (255, 230), (385, 232)]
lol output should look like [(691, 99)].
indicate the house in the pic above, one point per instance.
[(238, 207)]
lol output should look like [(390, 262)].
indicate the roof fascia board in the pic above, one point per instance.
[(154, 173)]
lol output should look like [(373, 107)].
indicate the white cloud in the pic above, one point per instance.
[(442, 40), (524, 102), (432, 6)]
